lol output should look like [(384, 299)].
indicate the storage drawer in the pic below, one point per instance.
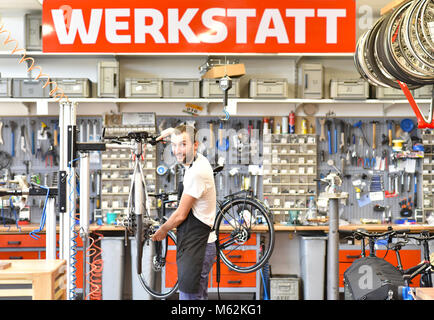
[(241, 255), (20, 241), (312, 81), (30, 88), (108, 79), (211, 89), (389, 93), (6, 87), (33, 32), (424, 92), (181, 88), (18, 255), (349, 255), (79, 87), (143, 88), (25, 241), (235, 280), (349, 89), (268, 88)]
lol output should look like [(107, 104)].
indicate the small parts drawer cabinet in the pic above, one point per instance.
[(230, 280)]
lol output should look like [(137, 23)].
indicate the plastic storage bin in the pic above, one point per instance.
[(349, 89), (108, 79), (313, 262), (138, 292), (30, 88), (113, 267), (143, 88), (268, 88), (75, 87), (211, 89), (284, 287), (181, 88), (5, 87)]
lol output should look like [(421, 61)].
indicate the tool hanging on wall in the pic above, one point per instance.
[(322, 123), (1, 132), (13, 126)]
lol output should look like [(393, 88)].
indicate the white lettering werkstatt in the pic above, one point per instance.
[(272, 25)]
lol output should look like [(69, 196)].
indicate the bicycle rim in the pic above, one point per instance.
[(236, 223), (159, 276)]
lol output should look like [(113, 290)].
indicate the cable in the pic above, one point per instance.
[(60, 93), (33, 234), (72, 215), (95, 268)]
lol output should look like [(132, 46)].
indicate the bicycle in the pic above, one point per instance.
[(371, 277), (139, 223), (236, 218), (424, 268), (392, 278)]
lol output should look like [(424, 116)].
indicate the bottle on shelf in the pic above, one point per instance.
[(312, 212)]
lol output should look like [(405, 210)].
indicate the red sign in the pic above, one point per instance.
[(236, 26)]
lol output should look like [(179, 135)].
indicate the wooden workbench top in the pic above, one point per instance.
[(25, 268), (277, 227)]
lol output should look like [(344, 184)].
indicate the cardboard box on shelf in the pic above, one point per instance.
[(231, 70)]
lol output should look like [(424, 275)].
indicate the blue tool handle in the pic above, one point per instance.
[(336, 141), (330, 142), (13, 145)]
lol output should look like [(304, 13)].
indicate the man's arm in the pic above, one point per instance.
[(177, 217)]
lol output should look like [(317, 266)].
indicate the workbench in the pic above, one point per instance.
[(35, 279)]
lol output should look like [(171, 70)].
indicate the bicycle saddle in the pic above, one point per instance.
[(217, 169)]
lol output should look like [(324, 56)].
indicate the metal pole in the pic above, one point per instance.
[(84, 211), (333, 251), (62, 149)]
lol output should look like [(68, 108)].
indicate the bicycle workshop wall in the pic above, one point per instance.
[(286, 257)]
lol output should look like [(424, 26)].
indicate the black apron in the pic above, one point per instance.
[(192, 238)]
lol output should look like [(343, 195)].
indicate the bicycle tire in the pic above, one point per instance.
[(237, 230), (162, 280)]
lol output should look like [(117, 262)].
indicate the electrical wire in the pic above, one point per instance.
[(33, 234)]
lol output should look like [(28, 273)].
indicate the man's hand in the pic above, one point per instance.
[(159, 235)]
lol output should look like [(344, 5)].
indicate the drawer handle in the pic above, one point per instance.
[(15, 258), (353, 257), (235, 256), (14, 242), (234, 281)]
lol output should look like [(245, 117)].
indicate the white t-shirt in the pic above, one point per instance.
[(199, 183)]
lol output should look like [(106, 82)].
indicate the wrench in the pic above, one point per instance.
[(13, 125)]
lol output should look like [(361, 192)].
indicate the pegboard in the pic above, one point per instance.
[(354, 210), (34, 154), (250, 153)]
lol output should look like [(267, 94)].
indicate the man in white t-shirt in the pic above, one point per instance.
[(194, 217)]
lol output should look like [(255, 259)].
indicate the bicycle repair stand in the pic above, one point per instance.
[(69, 150)]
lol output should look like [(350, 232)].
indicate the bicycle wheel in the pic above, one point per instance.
[(159, 276), (235, 224)]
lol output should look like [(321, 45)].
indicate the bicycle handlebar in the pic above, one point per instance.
[(379, 235), (421, 237), (134, 135)]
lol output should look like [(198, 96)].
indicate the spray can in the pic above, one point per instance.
[(285, 126), (304, 126), (266, 126), (292, 122)]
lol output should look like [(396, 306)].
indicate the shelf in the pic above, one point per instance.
[(288, 194), (176, 54), (214, 100), (289, 184)]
